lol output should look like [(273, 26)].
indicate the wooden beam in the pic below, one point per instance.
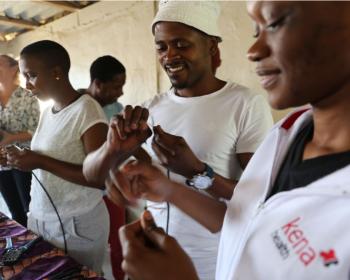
[(19, 22), (64, 5)]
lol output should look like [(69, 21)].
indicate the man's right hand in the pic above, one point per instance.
[(149, 253), (125, 136), (127, 131)]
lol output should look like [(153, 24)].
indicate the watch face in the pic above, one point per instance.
[(202, 182)]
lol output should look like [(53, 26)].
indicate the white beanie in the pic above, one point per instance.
[(202, 15)]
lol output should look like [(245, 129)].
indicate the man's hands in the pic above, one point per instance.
[(174, 153), (150, 254), (138, 180), (128, 131), (126, 134)]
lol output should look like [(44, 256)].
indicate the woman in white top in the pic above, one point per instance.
[(74, 126)]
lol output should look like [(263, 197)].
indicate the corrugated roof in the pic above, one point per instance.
[(17, 17)]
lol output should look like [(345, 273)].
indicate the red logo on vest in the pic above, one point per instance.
[(329, 257), (299, 242)]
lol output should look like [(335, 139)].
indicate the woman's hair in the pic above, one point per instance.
[(50, 53), (11, 61)]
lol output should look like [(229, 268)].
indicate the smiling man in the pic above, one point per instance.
[(205, 130), (208, 128)]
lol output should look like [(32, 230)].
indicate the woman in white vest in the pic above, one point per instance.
[(288, 215)]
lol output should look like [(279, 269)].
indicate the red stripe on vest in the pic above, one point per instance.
[(287, 124)]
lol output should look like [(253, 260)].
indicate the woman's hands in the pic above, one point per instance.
[(151, 254), (22, 159), (138, 180)]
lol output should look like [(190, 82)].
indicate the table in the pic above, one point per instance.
[(42, 261)]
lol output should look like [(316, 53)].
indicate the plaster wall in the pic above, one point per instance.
[(122, 29)]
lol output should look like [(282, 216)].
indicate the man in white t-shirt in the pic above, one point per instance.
[(205, 129), (218, 124)]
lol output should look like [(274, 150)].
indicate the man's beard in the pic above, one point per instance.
[(179, 85), (184, 84)]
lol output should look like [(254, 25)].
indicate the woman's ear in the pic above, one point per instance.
[(98, 85), (57, 73)]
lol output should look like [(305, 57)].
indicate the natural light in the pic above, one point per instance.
[(42, 104)]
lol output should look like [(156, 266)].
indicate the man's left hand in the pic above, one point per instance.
[(174, 153)]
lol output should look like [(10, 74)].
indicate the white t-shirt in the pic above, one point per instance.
[(59, 136), (216, 126)]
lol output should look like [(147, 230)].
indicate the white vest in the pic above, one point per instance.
[(298, 234)]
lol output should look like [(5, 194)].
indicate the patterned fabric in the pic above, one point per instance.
[(21, 113), (42, 261)]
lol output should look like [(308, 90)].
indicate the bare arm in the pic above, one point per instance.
[(67, 171), (97, 164), (223, 187), (28, 160), (121, 143), (244, 159), (175, 154), (9, 138), (192, 203), (142, 180)]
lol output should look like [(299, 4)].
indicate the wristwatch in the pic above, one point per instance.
[(202, 181)]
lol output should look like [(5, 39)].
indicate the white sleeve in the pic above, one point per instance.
[(254, 125), (91, 114)]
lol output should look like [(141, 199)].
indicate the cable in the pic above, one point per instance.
[(167, 207), (58, 216), (167, 217)]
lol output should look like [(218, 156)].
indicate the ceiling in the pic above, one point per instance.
[(17, 17)]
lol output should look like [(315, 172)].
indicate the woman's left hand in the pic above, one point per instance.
[(149, 253), (22, 159)]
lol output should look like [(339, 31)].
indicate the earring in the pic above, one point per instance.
[(57, 78)]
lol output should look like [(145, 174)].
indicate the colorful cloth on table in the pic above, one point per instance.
[(42, 261)]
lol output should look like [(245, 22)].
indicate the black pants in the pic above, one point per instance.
[(15, 189)]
